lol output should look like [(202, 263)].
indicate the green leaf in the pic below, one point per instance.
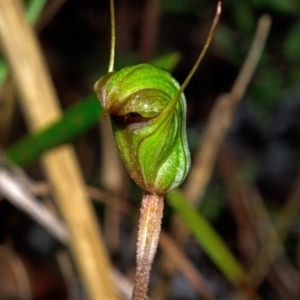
[(73, 123), (210, 241), (167, 62), (3, 71), (34, 9)]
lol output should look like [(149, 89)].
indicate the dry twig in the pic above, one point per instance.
[(250, 209), (23, 198), (41, 107), (272, 253)]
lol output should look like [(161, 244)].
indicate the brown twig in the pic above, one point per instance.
[(251, 209), (41, 107), (272, 252), (238, 199)]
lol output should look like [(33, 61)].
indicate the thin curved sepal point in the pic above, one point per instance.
[(113, 37), (200, 57), (206, 45)]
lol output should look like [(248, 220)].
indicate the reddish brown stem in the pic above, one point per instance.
[(148, 235)]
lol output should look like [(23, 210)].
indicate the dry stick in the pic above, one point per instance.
[(272, 251), (218, 124), (18, 189), (246, 238), (148, 236), (253, 212), (25, 201), (271, 256), (7, 108), (41, 107)]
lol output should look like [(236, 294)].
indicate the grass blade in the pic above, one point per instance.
[(75, 121), (211, 243)]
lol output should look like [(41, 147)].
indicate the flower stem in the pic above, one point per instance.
[(148, 235)]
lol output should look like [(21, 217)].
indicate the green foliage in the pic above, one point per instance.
[(34, 9), (167, 62), (3, 71)]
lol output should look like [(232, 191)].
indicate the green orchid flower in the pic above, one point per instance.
[(148, 119), (147, 108)]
